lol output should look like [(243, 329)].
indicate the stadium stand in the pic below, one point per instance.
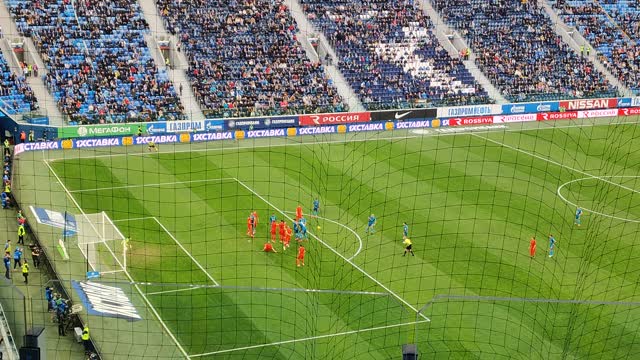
[(390, 56), (627, 15), (520, 53), (613, 46), (16, 97), (100, 69), (244, 59)]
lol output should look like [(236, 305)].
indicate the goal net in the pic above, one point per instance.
[(97, 239)]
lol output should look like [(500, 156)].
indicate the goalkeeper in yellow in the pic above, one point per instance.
[(407, 247)]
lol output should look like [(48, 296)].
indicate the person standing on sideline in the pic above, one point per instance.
[(61, 326), (25, 271), (86, 338), (21, 233), (7, 264), (35, 255), (23, 137), (32, 136), (7, 151), (17, 257), (48, 295)]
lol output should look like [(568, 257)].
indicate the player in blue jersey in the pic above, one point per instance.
[(578, 221), (316, 207), (552, 245), (302, 226), (371, 223), (302, 221), (272, 218), (405, 230), (296, 230)]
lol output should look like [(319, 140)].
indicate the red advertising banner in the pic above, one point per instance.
[(587, 104), (477, 120), (557, 115), (628, 111), (333, 119)]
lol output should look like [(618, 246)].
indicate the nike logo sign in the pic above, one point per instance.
[(400, 116)]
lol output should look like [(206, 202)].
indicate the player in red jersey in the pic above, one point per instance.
[(287, 237), (281, 230), (268, 248), (254, 214), (298, 213), (532, 247), (300, 258), (274, 225), (250, 228)]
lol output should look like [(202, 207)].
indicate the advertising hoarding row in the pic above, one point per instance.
[(358, 125)]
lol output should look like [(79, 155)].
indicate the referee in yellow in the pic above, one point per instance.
[(407, 247)]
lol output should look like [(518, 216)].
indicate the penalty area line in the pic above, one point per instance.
[(309, 338)]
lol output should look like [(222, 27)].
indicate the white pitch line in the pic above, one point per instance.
[(146, 300), (336, 252), (557, 163), (134, 219), (150, 185), (174, 291), (593, 211), (309, 338), (388, 138), (186, 252), (344, 226)]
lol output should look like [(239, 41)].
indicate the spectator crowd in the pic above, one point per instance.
[(519, 51), (100, 69), (390, 56), (245, 60), (16, 96)]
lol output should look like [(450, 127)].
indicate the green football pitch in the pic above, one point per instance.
[(472, 201)]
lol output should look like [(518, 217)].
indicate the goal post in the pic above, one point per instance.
[(97, 238)]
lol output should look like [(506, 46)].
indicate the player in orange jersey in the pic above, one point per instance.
[(268, 248), (300, 258), (250, 228), (298, 213), (532, 247), (274, 225), (287, 237), (282, 230), (254, 214)]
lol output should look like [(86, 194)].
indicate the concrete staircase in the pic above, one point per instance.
[(572, 37), (307, 31), (453, 43), (179, 64)]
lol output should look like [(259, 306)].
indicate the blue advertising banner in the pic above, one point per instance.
[(158, 127), (265, 133), (105, 300), (211, 136), (214, 125), (91, 143), (262, 123), (378, 126), (529, 108), (57, 219), (624, 102)]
